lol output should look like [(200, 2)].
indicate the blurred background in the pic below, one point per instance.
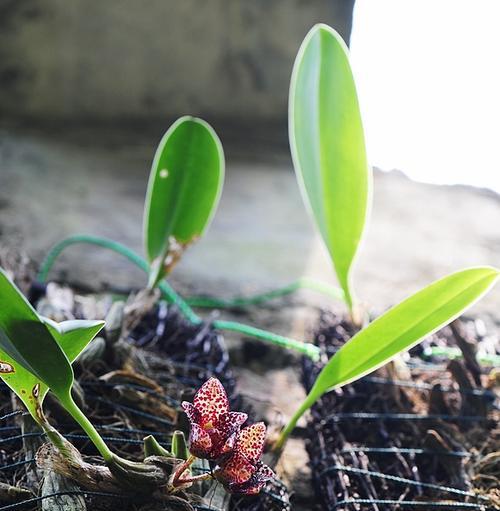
[(87, 88)]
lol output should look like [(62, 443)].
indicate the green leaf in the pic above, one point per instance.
[(328, 147), (398, 330), (31, 359), (28, 341), (73, 336), (403, 326), (183, 192)]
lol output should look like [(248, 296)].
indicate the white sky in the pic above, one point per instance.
[(428, 78)]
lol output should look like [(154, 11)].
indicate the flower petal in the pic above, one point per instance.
[(229, 444), (211, 402), (248, 488), (200, 443), (230, 422), (236, 470), (250, 442), (263, 473), (192, 413), (258, 480)]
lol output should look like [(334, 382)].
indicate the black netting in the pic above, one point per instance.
[(403, 437)]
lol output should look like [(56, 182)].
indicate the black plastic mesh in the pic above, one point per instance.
[(392, 443)]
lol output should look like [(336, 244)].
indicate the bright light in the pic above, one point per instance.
[(428, 77)]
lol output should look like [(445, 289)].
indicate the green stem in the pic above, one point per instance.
[(306, 404), (452, 352), (75, 412), (169, 294), (55, 438), (302, 347), (240, 301)]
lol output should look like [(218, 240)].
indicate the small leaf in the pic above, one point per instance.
[(183, 192), (403, 326), (28, 341), (20, 371), (73, 336), (328, 147), (179, 446)]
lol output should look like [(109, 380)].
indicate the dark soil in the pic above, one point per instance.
[(414, 435)]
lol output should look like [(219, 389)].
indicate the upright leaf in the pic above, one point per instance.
[(183, 192), (399, 329), (328, 147)]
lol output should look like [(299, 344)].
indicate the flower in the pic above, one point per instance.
[(213, 427), (242, 471)]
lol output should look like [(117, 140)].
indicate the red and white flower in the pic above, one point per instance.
[(242, 471), (213, 427)]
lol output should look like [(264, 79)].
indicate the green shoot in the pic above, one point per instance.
[(398, 330), (328, 149), (183, 192)]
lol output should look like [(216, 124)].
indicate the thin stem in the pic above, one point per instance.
[(166, 290), (306, 404), (302, 347), (452, 352), (177, 479), (75, 412), (241, 301), (56, 439), (194, 479)]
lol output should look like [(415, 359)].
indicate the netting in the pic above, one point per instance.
[(410, 436)]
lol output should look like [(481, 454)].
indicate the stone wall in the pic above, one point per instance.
[(116, 59)]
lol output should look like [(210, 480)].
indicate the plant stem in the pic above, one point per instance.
[(306, 404), (452, 353), (56, 439), (177, 479), (302, 347), (168, 293), (75, 412), (195, 479), (240, 301)]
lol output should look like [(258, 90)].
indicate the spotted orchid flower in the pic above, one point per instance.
[(242, 471), (213, 427)]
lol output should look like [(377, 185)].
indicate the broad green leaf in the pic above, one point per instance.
[(328, 147), (72, 336), (398, 330), (19, 367), (403, 326), (183, 192), (28, 341)]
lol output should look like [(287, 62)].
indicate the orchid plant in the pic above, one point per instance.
[(329, 156), (35, 357), (328, 149)]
